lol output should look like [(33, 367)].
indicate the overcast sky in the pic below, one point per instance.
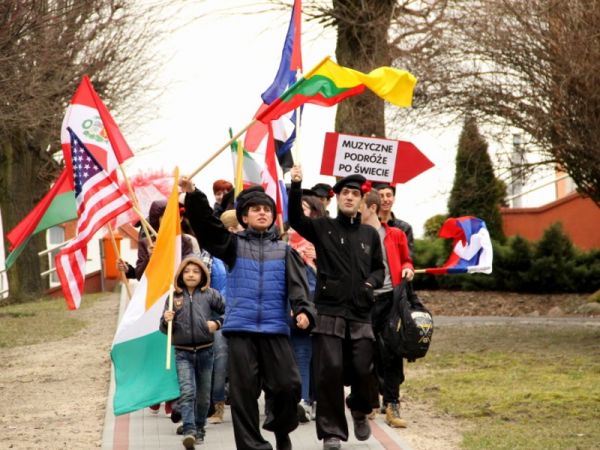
[(218, 67)]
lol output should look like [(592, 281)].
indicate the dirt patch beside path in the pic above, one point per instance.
[(53, 395), (491, 303)]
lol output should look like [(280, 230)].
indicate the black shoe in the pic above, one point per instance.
[(362, 429), (179, 430), (331, 443), (283, 441), (302, 416), (175, 416)]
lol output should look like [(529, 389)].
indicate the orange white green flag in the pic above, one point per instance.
[(139, 348)]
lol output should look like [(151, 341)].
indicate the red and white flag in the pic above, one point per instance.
[(91, 121), (98, 199)]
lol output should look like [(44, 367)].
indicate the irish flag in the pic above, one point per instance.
[(329, 83), (139, 348), (56, 207)]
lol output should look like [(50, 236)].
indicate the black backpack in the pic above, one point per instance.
[(408, 329)]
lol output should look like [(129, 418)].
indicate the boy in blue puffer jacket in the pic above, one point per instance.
[(265, 278), (194, 307)]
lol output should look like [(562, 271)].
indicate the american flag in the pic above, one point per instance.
[(99, 200)]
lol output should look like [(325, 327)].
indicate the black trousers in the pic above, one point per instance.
[(393, 375), (338, 361), (262, 362)]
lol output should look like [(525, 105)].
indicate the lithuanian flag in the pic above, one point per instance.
[(329, 83), (56, 207), (139, 348)]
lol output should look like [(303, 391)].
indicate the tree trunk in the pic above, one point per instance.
[(362, 44), (20, 184)]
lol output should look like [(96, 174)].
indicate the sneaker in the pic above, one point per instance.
[(189, 441), (179, 430), (362, 429), (168, 408), (283, 441), (331, 443), (302, 416), (154, 408), (199, 439), (392, 416)]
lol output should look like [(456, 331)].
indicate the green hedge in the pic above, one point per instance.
[(552, 264)]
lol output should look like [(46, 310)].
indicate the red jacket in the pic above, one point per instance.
[(396, 249)]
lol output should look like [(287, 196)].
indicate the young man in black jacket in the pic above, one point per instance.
[(349, 267)]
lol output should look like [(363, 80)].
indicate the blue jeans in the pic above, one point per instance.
[(302, 346), (219, 368), (194, 372)]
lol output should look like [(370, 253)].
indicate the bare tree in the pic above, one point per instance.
[(45, 49), (533, 66)]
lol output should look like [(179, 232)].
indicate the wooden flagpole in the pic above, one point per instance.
[(169, 329), (116, 250), (218, 152), (136, 206)]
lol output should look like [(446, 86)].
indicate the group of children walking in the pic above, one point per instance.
[(282, 307)]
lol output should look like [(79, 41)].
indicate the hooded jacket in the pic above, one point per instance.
[(349, 255), (192, 312), (265, 276)]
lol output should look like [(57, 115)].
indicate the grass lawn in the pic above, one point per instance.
[(517, 387), (44, 320)]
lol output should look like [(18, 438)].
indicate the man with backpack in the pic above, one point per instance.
[(398, 266)]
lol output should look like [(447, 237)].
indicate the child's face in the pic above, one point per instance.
[(192, 275)]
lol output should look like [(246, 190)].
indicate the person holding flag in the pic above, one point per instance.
[(265, 277), (194, 305), (349, 268)]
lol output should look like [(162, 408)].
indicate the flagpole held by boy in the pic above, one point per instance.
[(169, 329)]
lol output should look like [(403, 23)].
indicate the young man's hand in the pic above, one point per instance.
[(296, 173), (408, 274), (121, 265), (212, 326), (302, 321), (168, 315), (186, 185)]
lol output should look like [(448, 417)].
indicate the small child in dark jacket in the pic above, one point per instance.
[(194, 304)]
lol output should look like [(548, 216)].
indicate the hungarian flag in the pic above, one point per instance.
[(98, 199), (139, 348), (91, 121), (56, 207), (472, 250), (329, 83)]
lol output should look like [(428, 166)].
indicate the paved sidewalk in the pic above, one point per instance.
[(143, 430)]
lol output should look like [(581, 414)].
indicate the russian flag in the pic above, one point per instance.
[(471, 247)]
